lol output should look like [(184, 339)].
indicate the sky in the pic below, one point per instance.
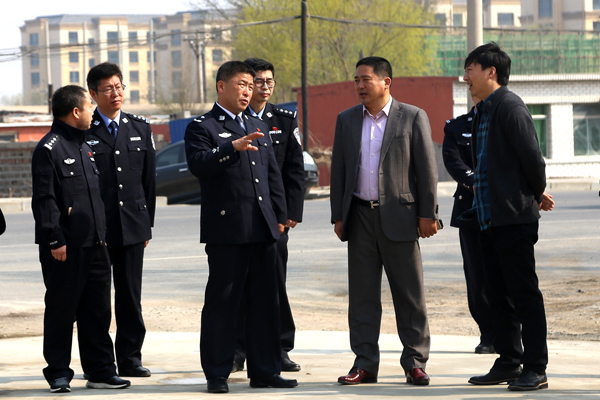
[(15, 13)]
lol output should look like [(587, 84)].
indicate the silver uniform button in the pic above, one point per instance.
[(121, 203), (253, 163), (119, 169), (256, 180), (138, 149), (117, 152), (222, 212), (259, 198), (120, 186), (460, 197), (277, 142), (71, 172)]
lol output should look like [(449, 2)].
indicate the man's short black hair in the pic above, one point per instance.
[(232, 68), (66, 98), (381, 67), (491, 55), (258, 64), (102, 71)]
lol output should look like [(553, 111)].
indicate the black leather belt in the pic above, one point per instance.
[(367, 203)]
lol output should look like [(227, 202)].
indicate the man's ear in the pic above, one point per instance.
[(220, 86), (388, 82)]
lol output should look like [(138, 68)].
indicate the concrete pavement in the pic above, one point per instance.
[(573, 372)]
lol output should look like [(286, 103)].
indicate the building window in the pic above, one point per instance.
[(176, 37), (134, 76), (176, 58), (133, 37), (74, 77), (35, 78), (134, 96), (133, 56), (34, 39), (112, 37), (545, 9), (150, 76), (148, 36), (73, 57), (596, 25), (596, 4), (217, 35), (92, 43), (91, 62), (73, 38), (506, 19), (439, 19), (586, 129), (35, 59), (176, 79), (539, 113), (148, 56), (113, 57), (217, 55), (457, 20)]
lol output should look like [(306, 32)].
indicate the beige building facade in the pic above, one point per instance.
[(61, 49), (496, 13), (561, 14)]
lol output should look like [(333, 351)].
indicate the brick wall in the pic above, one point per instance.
[(15, 169)]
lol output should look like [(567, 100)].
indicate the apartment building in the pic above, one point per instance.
[(61, 49), (496, 13), (561, 14)]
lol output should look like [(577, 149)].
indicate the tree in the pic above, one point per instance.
[(334, 47)]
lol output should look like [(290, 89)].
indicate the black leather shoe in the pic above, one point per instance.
[(496, 376), (485, 349), (288, 365), (60, 385), (529, 380), (275, 381), (237, 367), (137, 372), (218, 385), (86, 376), (113, 383)]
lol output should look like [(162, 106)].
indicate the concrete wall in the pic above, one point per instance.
[(15, 169)]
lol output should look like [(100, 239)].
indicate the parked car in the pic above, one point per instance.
[(176, 182)]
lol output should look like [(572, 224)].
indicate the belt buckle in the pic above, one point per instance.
[(373, 204)]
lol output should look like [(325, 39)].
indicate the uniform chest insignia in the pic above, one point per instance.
[(92, 159), (69, 161), (135, 139), (125, 120), (269, 115), (224, 135), (96, 123), (215, 150), (470, 119), (466, 134), (92, 142), (275, 131), (221, 118)]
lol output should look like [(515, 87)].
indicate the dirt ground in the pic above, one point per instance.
[(572, 309)]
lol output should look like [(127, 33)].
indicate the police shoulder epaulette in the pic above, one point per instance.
[(456, 119), (283, 111), (139, 118), (204, 117), (51, 142)]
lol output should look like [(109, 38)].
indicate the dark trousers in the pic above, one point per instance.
[(516, 302), (77, 289), (127, 263), (474, 276), (369, 251), (241, 273), (286, 320)]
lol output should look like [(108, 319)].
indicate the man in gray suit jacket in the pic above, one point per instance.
[(383, 196)]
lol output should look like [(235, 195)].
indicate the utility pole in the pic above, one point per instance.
[(151, 92), (474, 31), (304, 66), (84, 50), (198, 48), (48, 71)]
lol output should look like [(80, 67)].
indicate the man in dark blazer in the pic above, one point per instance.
[(285, 137), (383, 196), (70, 231), (242, 215), (509, 192), (123, 147), (458, 160)]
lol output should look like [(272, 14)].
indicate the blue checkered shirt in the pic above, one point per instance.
[(481, 201)]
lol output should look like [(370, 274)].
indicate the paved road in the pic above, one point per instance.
[(176, 266)]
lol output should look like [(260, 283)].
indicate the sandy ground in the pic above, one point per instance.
[(572, 309)]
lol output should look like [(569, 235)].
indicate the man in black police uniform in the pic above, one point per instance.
[(123, 147), (458, 160), (69, 229), (284, 134), (242, 215)]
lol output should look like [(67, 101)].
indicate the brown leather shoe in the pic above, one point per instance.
[(356, 376), (417, 376)]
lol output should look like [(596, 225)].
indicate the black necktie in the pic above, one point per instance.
[(239, 121), (112, 128)]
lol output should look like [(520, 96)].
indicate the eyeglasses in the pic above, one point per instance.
[(109, 92), (259, 82)]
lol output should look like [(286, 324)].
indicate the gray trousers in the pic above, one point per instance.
[(368, 251)]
